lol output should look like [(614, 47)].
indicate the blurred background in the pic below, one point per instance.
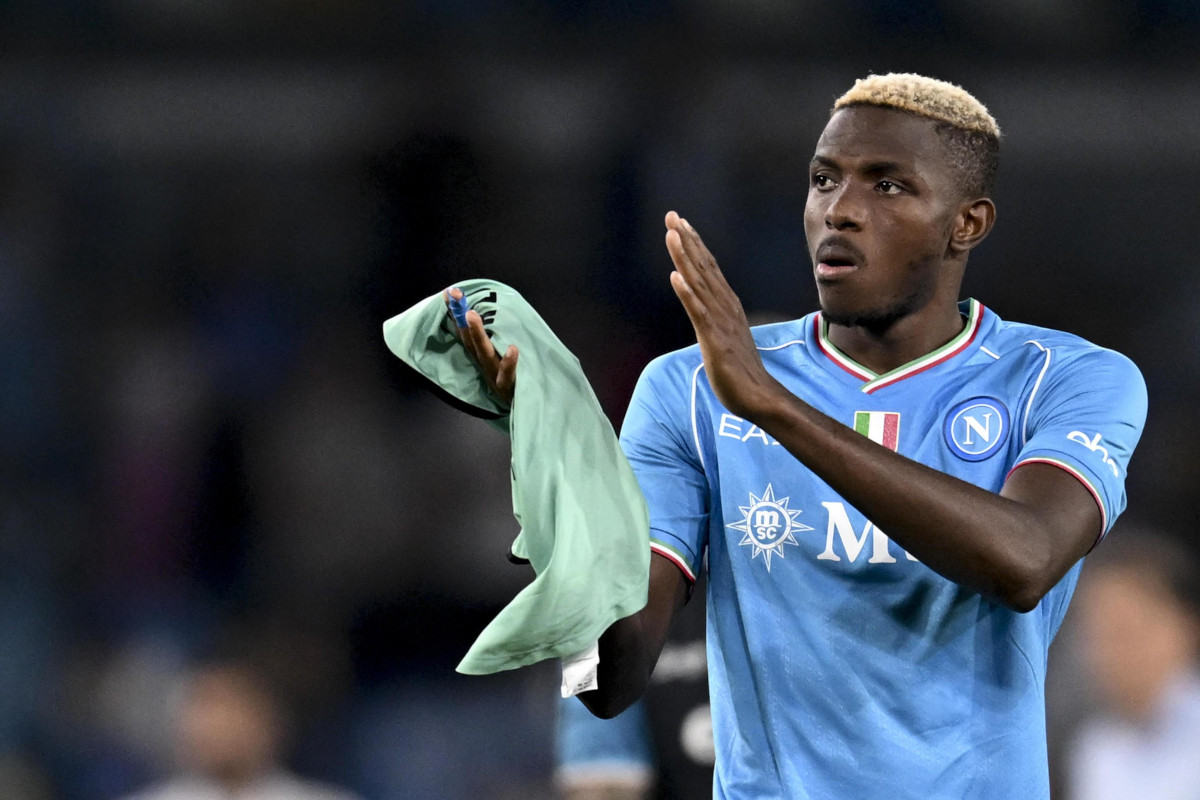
[(207, 209)]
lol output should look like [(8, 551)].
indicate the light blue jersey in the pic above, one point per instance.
[(840, 666)]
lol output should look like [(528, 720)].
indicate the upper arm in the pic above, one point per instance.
[(661, 439), (671, 475), (1078, 433), (1064, 506), (1084, 420)]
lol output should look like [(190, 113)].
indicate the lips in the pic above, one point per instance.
[(836, 256)]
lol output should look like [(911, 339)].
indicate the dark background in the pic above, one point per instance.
[(207, 209)]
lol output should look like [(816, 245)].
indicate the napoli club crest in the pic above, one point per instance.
[(768, 525), (976, 428)]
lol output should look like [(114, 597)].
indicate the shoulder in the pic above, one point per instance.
[(782, 335), (1062, 351), (675, 366), (686, 363)]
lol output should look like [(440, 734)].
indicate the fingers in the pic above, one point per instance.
[(500, 374), (457, 304), (479, 345), (506, 377), (685, 262), (689, 253), (687, 295), (697, 280)]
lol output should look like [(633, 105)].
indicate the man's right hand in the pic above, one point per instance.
[(500, 373)]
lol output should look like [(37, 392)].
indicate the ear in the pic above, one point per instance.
[(972, 225)]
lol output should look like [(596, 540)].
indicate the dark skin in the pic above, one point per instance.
[(889, 231)]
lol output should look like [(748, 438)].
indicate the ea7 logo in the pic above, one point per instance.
[(1094, 445)]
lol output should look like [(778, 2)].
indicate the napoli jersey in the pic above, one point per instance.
[(839, 665)]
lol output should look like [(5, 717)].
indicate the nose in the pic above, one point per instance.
[(844, 210)]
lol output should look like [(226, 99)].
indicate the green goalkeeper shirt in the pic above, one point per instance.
[(584, 524)]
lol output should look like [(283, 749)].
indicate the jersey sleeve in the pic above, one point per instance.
[(1085, 415), (661, 441), (600, 752)]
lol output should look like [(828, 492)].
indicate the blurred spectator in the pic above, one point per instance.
[(1139, 615), (229, 735)]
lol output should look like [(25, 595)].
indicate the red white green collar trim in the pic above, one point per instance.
[(873, 381)]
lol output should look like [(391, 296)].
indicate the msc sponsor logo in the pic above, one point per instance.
[(976, 428), (769, 525)]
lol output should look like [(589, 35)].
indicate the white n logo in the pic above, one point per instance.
[(984, 430)]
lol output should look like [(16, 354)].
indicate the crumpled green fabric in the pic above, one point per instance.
[(584, 523)]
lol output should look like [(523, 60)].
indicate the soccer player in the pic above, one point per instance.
[(894, 492)]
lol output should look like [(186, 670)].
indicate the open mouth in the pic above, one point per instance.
[(832, 267), (836, 258)]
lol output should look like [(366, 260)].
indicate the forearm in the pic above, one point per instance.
[(630, 647), (984, 541)]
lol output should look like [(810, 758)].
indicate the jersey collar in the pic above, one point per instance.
[(972, 308)]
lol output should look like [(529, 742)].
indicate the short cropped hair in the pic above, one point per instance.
[(969, 132)]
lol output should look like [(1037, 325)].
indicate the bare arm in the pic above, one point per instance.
[(630, 647), (1012, 547)]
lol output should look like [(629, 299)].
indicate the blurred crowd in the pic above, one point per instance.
[(208, 209)]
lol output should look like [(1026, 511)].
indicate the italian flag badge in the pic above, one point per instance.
[(881, 427)]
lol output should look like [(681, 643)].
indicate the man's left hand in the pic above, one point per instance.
[(735, 370)]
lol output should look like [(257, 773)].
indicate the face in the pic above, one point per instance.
[(227, 728), (882, 203), (1137, 637)]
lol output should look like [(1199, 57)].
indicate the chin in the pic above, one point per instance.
[(849, 314)]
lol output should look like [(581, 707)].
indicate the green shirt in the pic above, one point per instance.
[(584, 524)]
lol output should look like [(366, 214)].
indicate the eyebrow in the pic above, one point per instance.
[(870, 168), (880, 167)]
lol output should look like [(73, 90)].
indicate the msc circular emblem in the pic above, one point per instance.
[(768, 524), (976, 428)]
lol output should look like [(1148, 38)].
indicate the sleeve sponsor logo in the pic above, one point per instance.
[(1093, 443)]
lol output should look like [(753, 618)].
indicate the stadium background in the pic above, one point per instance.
[(207, 210)]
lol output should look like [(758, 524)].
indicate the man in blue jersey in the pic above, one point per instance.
[(894, 493)]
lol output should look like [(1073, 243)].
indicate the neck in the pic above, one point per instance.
[(884, 348)]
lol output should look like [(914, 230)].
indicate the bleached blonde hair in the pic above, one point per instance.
[(969, 131), (939, 100)]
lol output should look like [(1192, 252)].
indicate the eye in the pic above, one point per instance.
[(887, 187), (822, 181)]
